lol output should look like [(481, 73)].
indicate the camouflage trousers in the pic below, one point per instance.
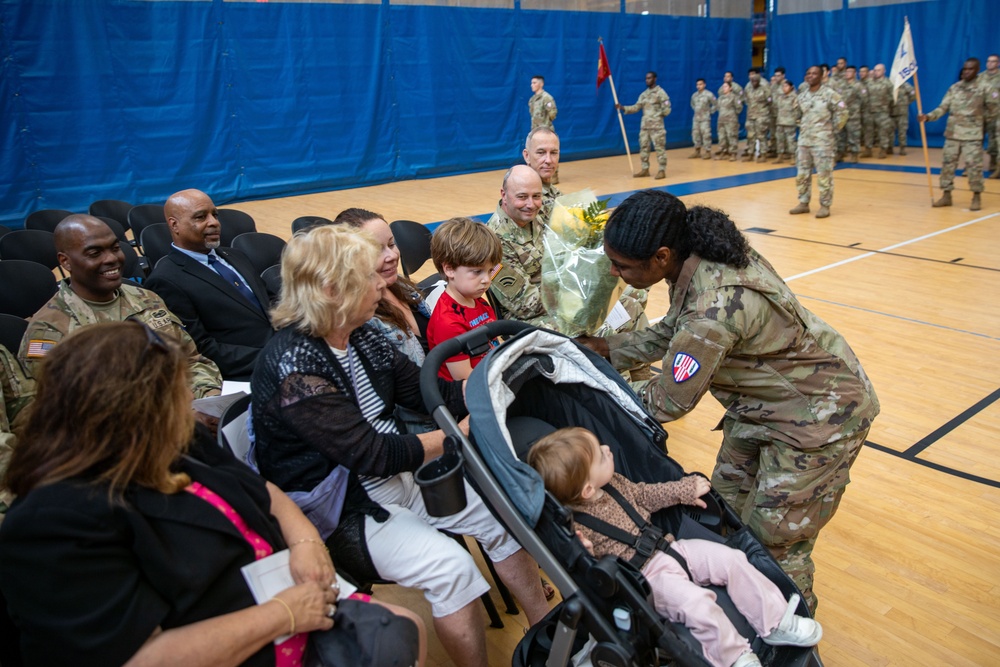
[(822, 158), (900, 126), (785, 139), (849, 139), (867, 130), (883, 129), (990, 128), (658, 139), (756, 132), (701, 134), (772, 135), (783, 494), (729, 135), (972, 154)]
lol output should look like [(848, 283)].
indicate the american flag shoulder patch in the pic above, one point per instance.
[(684, 367), (38, 348)]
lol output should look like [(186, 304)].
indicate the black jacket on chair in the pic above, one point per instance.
[(227, 328)]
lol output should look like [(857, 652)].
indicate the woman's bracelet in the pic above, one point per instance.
[(309, 539), (291, 614)]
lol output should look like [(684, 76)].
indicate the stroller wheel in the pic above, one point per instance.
[(612, 655)]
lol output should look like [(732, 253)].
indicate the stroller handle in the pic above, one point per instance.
[(471, 342)]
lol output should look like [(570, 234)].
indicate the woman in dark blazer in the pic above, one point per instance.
[(127, 538)]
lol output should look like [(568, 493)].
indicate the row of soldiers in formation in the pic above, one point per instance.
[(875, 119)]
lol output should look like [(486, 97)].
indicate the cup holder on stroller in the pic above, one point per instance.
[(441, 482)]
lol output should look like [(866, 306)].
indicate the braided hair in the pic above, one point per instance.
[(651, 219)]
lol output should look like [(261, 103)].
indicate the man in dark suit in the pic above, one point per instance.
[(215, 291)]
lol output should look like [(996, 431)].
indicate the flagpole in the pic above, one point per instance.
[(621, 123), (923, 135)]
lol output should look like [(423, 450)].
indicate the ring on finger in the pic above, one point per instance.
[(331, 610)]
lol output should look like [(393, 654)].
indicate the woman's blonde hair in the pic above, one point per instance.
[(563, 459), (113, 405), (326, 275)]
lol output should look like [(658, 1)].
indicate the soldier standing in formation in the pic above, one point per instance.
[(849, 139), (655, 106), (905, 96), (867, 124), (730, 105), (777, 80), (991, 77), (758, 100), (823, 115), (786, 106), (703, 103), (879, 106), (737, 88), (542, 108), (967, 103)]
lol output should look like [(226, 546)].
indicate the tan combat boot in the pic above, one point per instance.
[(803, 207), (889, 150), (866, 152), (696, 154), (823, 212), (975, 205), (660, 174), (902, 150), (733, 157), (642, 172), (707, 155), (853, 159), (994, 173), (881, 154), (944, 201), (781, 158)]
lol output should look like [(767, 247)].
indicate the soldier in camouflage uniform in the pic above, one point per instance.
[(703, 103), (655, 106), (16, 390), (517, 286), (798, 403), (823, 115), (736, 88), (879, 107), (967, 103), (991, 77), (758, 101), (777, 81), (730, 105), (867, 123), (542, 108), (541, 153), (849, 139), (88, 251), (905, 96), (789, 113)]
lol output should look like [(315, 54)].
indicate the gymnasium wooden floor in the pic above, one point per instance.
[(908, 572)]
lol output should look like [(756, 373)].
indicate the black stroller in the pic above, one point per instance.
[(538, 381)]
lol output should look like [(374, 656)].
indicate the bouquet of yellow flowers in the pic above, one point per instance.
[(578, 290)]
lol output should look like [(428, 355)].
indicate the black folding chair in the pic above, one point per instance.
[(308, 221), (25, 287), (233, 224), (144, 215), (46, 219), (12, 330), (116, 209), (31, 245), (155, 241), (414, 243), (272, 281), (262, 249)]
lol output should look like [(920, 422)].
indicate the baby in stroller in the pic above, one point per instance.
[(611, 515)]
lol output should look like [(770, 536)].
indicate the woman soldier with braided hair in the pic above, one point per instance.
[(798, 404)]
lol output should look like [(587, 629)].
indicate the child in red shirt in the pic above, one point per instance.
[(467, 253)]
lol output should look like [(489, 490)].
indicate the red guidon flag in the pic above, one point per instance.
[(603, 69)]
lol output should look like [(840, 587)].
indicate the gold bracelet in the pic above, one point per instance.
[(309, 539), (291, 614)]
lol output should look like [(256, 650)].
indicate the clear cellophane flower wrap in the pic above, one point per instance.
[(578, 290)]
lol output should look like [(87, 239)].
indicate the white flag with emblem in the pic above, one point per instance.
[(904, 65)]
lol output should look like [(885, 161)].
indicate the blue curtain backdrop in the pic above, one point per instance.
[(945, 33), (134, 100)]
